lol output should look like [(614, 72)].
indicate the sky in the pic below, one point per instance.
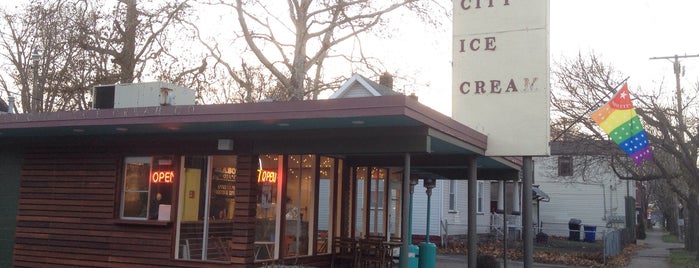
[(622, 33)]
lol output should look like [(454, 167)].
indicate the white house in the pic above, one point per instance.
[(449, 208), (581, 185)]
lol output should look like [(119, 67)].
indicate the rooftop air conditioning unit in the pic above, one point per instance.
[(147, 94)]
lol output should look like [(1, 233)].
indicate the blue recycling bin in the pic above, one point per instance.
[(590, 231)]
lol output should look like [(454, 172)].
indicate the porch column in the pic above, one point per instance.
[(501, 197), (516, 209), (527, 228), (472, 209), (405, 214)]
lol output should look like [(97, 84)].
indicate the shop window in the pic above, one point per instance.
[(565, 166), (269, 179), (147, 188), (299, 205), (328, 175), (207, 208)]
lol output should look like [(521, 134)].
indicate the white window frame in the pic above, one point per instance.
[(135, 159), (480, 196), (452, 196)]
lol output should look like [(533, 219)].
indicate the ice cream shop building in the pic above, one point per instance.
[(148, 179)]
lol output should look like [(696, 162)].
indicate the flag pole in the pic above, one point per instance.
[(606, 95)]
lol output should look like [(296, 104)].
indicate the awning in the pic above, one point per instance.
[(539, 195)]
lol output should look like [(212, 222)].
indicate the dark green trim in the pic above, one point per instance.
[(10, 167)]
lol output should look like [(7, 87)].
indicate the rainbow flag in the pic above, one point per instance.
[(619, 119)]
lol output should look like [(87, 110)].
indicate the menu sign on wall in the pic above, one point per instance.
[(500, 83), (224, 182)]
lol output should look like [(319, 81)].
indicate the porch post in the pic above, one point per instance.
[(516, 205), (501, 197), (527, 228), (405, 214), (472, 207)]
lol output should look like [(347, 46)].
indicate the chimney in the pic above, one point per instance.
[(386, 80), (11, 104)]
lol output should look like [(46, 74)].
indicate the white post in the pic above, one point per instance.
[(516, 200), (501, 197)]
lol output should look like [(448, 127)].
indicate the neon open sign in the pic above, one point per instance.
[(266, 176), (162, 176)]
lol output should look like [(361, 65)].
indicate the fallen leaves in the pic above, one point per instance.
[(556, 251)]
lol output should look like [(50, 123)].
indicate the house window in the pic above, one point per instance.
[(147, 191), (565, 166), (479, 194), (452, 195)]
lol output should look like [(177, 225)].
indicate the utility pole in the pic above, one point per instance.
[(678, 70), (37, 95)]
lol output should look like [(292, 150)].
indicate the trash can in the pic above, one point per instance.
[(413, 256), (428, 255), (590, 231), (574, 228)]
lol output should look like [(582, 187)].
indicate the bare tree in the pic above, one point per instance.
[(131, 34), (64, 70), (585, 83), (293, 43), (83, 43)]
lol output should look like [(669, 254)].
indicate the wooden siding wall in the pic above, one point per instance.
[(68, 212)]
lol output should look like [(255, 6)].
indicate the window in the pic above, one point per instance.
[(565, 166), (147, 191), (452, 195), (377, 198), (328, 174), (300, 201), (480, 189), (270, 173), (206, 207)]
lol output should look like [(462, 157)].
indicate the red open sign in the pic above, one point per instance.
[(266, 176), (162, 176)]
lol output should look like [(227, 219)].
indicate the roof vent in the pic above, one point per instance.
[(148, 94)]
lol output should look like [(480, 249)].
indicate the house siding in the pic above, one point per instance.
[(457, 219), (355, 91), (592, 198)]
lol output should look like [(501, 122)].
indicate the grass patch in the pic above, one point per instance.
[(669, 238), (682, 258)]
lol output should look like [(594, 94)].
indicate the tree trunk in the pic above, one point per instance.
[(691, 228), (670, 222), (127, 60)]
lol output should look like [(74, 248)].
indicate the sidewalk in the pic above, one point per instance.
[(654, 252), (461, 261)]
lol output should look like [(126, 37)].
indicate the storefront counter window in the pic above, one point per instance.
[(147, 188)]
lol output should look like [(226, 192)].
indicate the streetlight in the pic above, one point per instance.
[(36, 93)]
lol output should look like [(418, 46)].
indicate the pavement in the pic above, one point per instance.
[(653, 253)]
